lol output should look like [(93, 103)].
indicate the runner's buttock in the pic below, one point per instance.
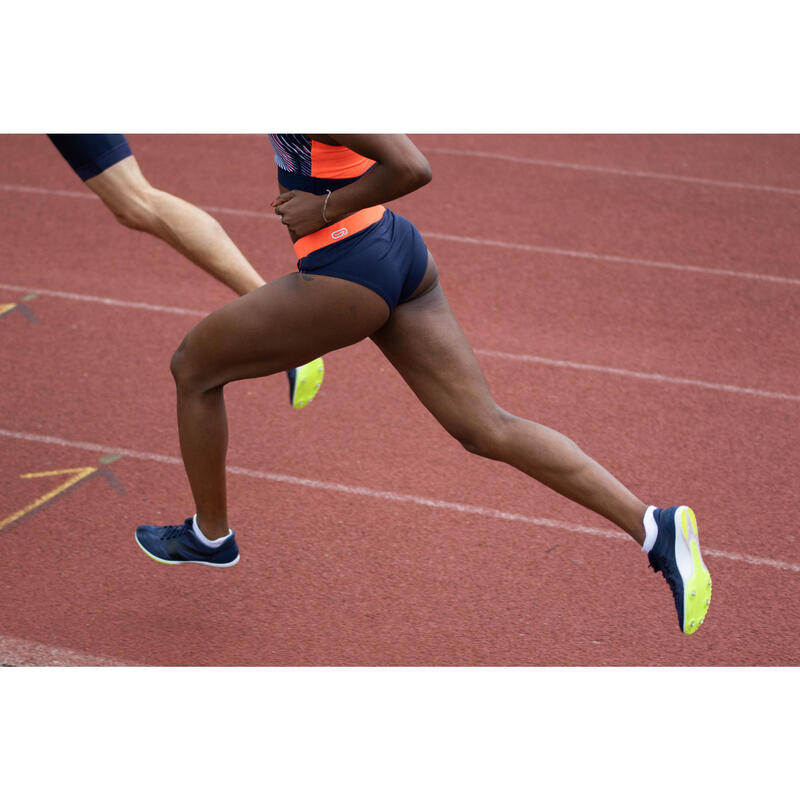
[(388, 256)]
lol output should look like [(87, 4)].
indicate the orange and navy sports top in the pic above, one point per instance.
[(310, 166)]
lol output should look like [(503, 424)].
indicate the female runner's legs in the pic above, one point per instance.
[(263, 332)]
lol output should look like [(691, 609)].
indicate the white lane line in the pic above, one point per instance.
[(107, 301), (649, 376), (527, 248), (6, 187), (17, 652), (395, 497), (640, 262), (270, 215), (634, 173), (744, 390)]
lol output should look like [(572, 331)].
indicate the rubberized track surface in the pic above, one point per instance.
[(639, 294)]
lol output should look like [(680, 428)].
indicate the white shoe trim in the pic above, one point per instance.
[(650, 529)]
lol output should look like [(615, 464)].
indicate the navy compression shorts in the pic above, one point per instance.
[(389, 257), (89, 154)]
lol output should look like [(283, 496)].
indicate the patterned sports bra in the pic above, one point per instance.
[(310, 166)]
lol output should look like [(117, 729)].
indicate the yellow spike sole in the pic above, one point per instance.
[(697, 590), (308, 380)]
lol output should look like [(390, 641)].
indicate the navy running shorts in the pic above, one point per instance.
[(389, 257), (89, 154)]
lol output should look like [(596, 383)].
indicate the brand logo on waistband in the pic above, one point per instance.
[(337, 234)]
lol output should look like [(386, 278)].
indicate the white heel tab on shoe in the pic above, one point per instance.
[(650, 529)]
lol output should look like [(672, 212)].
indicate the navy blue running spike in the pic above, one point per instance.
[(676, 555)]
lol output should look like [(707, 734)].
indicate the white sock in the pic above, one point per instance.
[(208, 542), (650, 529)]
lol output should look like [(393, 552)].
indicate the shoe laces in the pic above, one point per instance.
[(173, 531)]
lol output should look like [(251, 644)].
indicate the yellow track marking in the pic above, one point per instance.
[(77, 474)]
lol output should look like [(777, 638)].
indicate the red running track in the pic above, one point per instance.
[(638, 293)]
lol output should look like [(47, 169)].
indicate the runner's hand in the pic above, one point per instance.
[(301, 212)]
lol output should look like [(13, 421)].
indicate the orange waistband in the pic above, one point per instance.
[(338, 231)]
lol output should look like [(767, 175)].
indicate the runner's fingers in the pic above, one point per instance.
[(282, 198)]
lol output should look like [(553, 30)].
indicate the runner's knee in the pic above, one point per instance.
[(136, 209), (483, 434), (186, 366), (179, 363)]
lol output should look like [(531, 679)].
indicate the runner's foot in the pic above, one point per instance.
[(304, 382), (676, 554), (178, 544)]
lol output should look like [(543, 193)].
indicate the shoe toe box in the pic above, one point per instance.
[(149, 540)]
